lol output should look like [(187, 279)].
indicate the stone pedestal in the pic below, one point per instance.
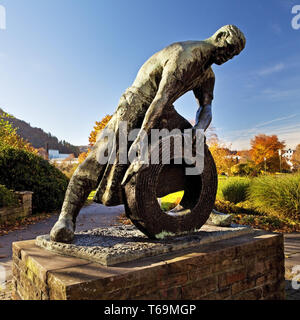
[(248, 266)]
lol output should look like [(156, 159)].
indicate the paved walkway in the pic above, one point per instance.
[(92, 216), (292, 265), (96, 215)]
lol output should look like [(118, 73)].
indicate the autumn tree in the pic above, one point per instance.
[(83, 156), (99, 126), (9, 136), (66, 167), (296, 158), (69, 158), (267, 147), (245, 155), (222, 155), (43, 153)]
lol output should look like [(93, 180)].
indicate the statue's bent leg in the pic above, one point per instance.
[(83, 181)]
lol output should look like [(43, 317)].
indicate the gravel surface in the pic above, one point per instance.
[(117, 244)]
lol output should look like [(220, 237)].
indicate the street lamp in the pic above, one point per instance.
[(279, 152)]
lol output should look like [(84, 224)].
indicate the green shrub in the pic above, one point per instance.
[(242, 169), (7, 197), (23, 171), (226, 207), (235, 189), (277, 195), (245, 207)]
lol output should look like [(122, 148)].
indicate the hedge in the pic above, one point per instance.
[(7, 197), (24, 171)]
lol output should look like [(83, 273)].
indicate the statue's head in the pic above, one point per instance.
[(229, 42)]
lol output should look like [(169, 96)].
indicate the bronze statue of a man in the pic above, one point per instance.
[(167, 75)]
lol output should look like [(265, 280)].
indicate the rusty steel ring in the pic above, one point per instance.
[(141, 192)]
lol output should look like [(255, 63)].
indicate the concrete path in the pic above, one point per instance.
[(92, 216), (292, 265)]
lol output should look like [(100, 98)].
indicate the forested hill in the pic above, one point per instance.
[(39, 138)]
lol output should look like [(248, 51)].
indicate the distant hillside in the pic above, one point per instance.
[(39, 138)]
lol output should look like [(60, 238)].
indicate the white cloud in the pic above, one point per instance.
[(286, 128), (292, 139), (279, 94), (267, 71), (275, 120)]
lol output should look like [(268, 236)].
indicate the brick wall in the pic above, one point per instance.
[(245, 267), (24, 208)]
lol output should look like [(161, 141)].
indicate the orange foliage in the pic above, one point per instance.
[(15, 141), (83, 156), (222, 156), (245, 155), (263, 146), (100, 125), (11, 226), (296, 158)]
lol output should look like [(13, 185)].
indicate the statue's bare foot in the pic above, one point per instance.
[(63, 231)]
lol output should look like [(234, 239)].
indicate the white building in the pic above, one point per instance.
[(55, 156), (288, 154)]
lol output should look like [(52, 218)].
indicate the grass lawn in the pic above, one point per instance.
[(91, 196), (171, 200), (246, 214), (222, 180), (242, 213)]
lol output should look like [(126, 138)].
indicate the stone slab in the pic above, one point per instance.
[(114, 245), (219, 219)]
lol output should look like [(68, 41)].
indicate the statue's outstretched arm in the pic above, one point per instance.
[(169, 89), (204, 97)]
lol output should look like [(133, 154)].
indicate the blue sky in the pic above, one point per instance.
[(65, 64)]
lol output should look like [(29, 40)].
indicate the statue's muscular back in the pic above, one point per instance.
[(185, 61)]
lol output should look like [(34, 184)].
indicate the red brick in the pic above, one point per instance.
[(230, 277), (252, 294), (202, 273), (227, 269), (240, 286), (199, 288), (174, 280), (170, 294)]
